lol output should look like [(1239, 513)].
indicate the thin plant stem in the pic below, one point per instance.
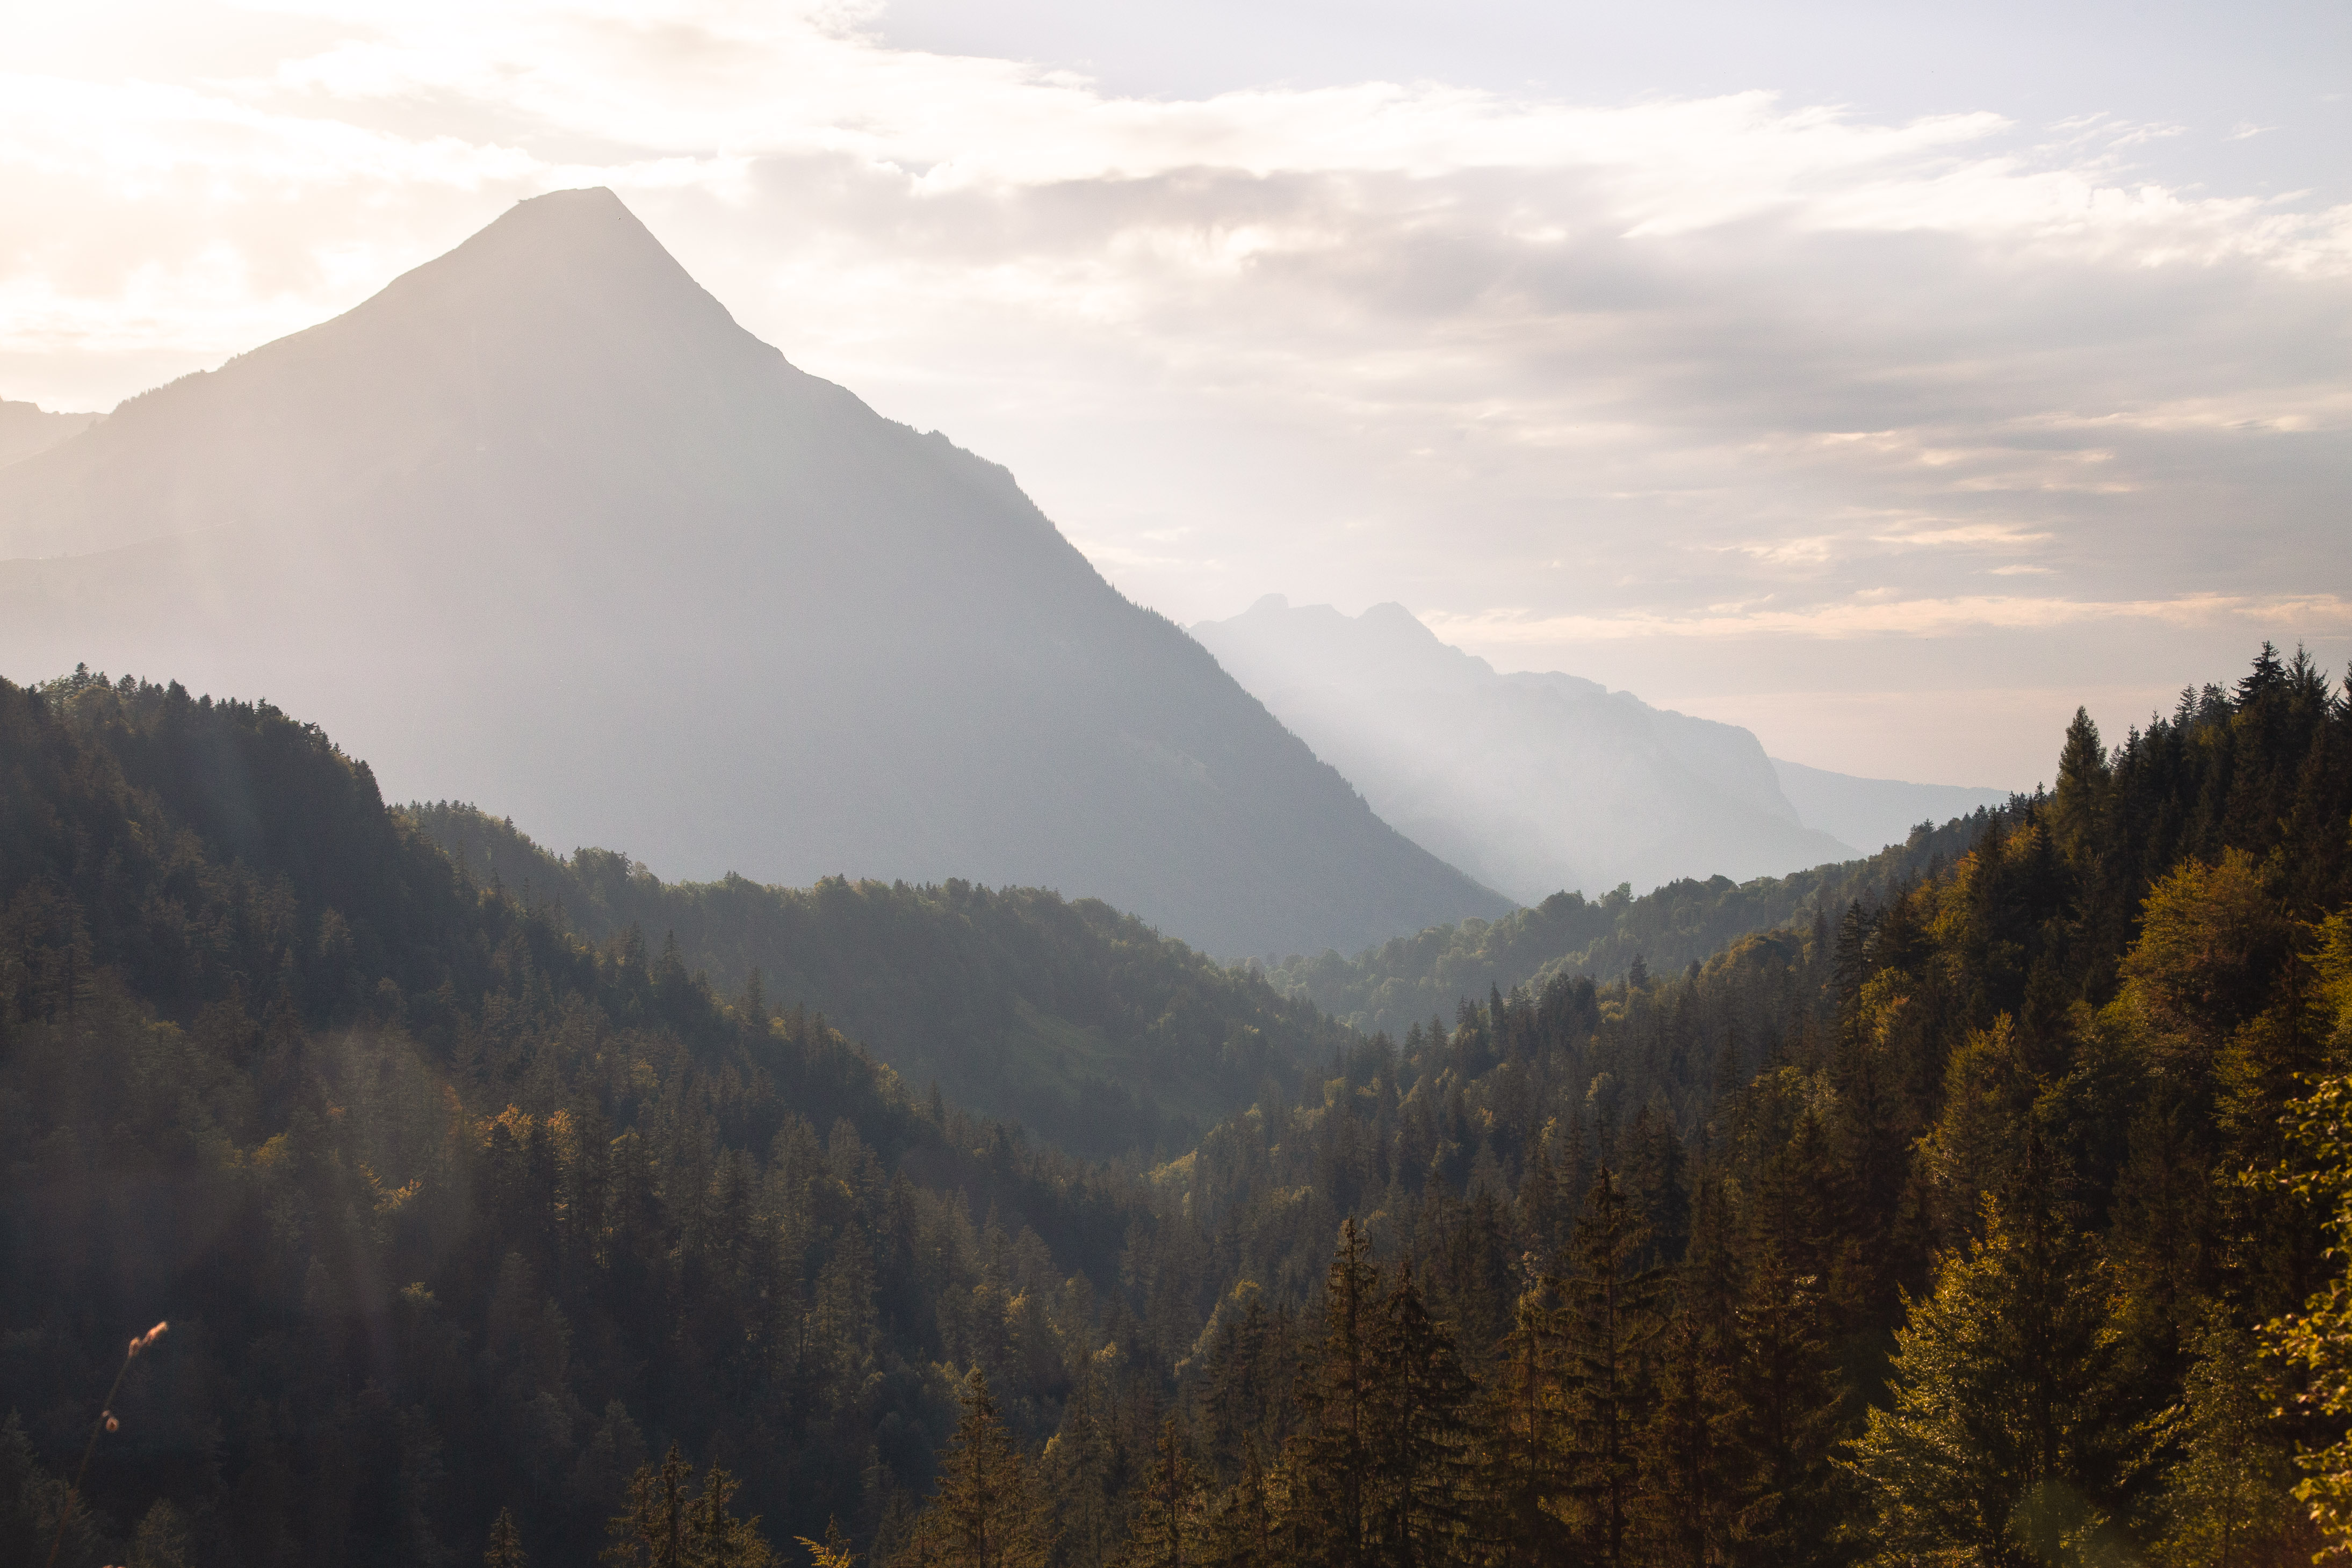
[(98, 1431)]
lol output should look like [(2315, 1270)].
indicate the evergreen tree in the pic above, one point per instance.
[(1692, 1456), (1419, 1470), (651, 1531), (1476, 1282), (2227, 1502), (1243, 1530), (1523, 1466), (1330, 1461), (1168, 1528), (2005, 1437), (2078, 806), (164, 1541), (671, 1524), (1606, 1326), (1249, 1387), (1656, 1181), (1787, 1422), (505, 1549), (988, 1512), (832, 1552)]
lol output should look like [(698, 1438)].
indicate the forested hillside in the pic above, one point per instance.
[(1947, 1231), (450, 1211), (1084, 1024), (1951, 1226), (1405, 981)]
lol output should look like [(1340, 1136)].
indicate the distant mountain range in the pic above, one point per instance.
[(26, 428), (541, 524), (1536, 783), (1872, 813)]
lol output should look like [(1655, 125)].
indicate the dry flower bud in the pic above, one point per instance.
[(112, 1424)]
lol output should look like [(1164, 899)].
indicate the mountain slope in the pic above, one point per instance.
[(1535, 783), (26, 428), (1874, 811), (1082, 1024), (449, 1211), (541, 524), (1429, 974)]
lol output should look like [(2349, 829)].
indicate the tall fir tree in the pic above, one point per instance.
[(1244, 1528), (1607, 1324), (1330, 1460), (1419, 1502), (2228, 1499), (1168, 1529), (1692, 1455), (2005, 1437), (1787, 1419), (1523, 1464), (505, 1548), (987, 1512), (669, 1522)]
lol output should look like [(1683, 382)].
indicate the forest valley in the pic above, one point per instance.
[(1999, 1216)]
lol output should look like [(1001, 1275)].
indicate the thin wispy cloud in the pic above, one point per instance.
[(1874, 612)]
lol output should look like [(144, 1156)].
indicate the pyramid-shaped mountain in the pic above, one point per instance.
[(540, 525)]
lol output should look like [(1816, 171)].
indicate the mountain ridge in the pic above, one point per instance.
[(540, 523), (27, 429), (1544, 781), (1871, 812), (1535, 782)]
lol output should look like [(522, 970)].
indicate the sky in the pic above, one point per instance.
[(1887, 378)]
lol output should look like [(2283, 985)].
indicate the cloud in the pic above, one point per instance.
[(1879, 613), (1963, 535)]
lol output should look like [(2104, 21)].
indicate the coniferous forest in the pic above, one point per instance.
[(1989, 1205)]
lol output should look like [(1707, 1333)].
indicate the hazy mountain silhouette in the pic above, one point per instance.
[(1535, 783), (539, 524), (1874, 812), (26, 428)]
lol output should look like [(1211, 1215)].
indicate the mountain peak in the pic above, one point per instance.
[(1318, 642), (582, 202), (568, 252), (540, 523), (562, 229), (563, 324)]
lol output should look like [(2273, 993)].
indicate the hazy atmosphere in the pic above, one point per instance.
[(1064, 784), (1881, 382)]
